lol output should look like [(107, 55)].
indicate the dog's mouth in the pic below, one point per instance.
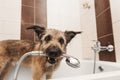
[(53, 55), (51, 60)]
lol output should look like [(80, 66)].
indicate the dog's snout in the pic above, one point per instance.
[(53, 52)]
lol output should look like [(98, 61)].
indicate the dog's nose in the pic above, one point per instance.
[(54, 52)]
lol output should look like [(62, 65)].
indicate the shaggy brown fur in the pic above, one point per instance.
[(52, 42)]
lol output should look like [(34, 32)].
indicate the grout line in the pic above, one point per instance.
[(116, 22), (30, 6), (105, 36), (102, 12), (27, 6), (34, 13), (34, 18), (27, 23), (31, 23)]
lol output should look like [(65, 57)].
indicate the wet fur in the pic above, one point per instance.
[(12, 50)]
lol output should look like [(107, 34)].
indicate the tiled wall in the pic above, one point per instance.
[(33, 12), (115, 12), (104, 28), (88, 26), (63, 18), (10, 19), (73, 16)]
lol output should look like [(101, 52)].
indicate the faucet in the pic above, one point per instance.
[(70, 60), (97, 48)]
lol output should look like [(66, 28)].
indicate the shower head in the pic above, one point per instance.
[(72, 61)]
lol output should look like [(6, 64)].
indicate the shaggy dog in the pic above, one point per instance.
[(51, 42)]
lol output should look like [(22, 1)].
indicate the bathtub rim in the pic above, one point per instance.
[(114, 64), (83, 77), (97, 75), (91, 76)]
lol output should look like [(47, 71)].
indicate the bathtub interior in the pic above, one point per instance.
[(86, 68), (65, 71)]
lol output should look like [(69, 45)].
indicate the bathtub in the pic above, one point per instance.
[(110, 71)]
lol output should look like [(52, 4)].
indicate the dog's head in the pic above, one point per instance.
[(53, 42)]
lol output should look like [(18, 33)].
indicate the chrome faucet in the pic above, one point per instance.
[(97, 47), (70, 60)]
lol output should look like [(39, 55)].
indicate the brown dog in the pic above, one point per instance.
[(52, 42)]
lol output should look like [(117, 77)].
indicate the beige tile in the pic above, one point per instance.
[(115, 4), (1, 27), (116, 32), (12, 12), (10, 3), (6, 37), (87, 16), (74, 48), (10, 27), (65, 17)]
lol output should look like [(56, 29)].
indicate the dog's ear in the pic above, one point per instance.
[(38, 29), (70, 35)]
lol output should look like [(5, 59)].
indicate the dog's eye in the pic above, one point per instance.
[(61, 40), (48, 38)]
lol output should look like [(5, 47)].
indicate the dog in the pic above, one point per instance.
[(51, 42)]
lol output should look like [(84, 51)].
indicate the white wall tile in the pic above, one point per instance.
[(10, 14), (74, 48), (65, 15), (116, 31), (87, 15), (9, 37), (115, 12), (88, 23), (10, 10), (10, 19), (1, 36), (10, 2), (0, 27), (10, 27), (70, 15), (88, 35)]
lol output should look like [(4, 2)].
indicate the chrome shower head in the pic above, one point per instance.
[(72, 61)]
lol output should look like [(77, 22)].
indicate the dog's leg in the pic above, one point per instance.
[(37, 68), (49, 75), (37, 73), (5, 66), (6, 71)]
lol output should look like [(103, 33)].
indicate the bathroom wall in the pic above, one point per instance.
[(104, 28), (10, 19), (65, 15), (88, 26), (33, 12), (49, 13), (71, 15), (115, 12)]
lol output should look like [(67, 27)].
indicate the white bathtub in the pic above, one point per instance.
[(85, 72)]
